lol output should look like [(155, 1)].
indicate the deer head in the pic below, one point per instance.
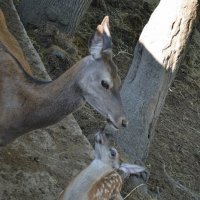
[(101, 83)]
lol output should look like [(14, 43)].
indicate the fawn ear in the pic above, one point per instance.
[(101, 42), (131, 169)]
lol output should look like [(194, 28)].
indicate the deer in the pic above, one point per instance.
[(27, 103), (100, 180)]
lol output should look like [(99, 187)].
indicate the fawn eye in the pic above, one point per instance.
[(105, 84), (112, 152)]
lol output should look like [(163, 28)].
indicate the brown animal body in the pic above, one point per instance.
[(108, 187), (27, 103)]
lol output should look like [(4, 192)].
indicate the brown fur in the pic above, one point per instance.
[(11, 44), (108, 187)]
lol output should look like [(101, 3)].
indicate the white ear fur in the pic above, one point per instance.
[(131, 169), (96, 45), (97, 42), (105, 26)]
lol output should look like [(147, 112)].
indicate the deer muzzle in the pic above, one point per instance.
[(122, 122)]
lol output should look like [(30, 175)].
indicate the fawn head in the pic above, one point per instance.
[(110, 156)]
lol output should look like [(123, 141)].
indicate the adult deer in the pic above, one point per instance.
[(100, 180), (27, 103)]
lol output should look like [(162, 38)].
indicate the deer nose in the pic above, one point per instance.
[(124, 122)]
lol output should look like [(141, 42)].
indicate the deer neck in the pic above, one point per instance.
[(56, 99), (29, 104), (81, 185)]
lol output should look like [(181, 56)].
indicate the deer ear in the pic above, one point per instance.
[(131, 169), (101, 41)]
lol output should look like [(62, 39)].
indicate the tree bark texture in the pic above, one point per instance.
[(157, 57), (65, 14)]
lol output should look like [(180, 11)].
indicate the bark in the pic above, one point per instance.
[(157, 56), (65, 14)]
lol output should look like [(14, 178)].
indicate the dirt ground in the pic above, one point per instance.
[(175, 152)]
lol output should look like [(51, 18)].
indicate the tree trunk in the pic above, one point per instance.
[(157, 57), (65, 14)]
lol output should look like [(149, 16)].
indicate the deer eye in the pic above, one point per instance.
[(105, 84)]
